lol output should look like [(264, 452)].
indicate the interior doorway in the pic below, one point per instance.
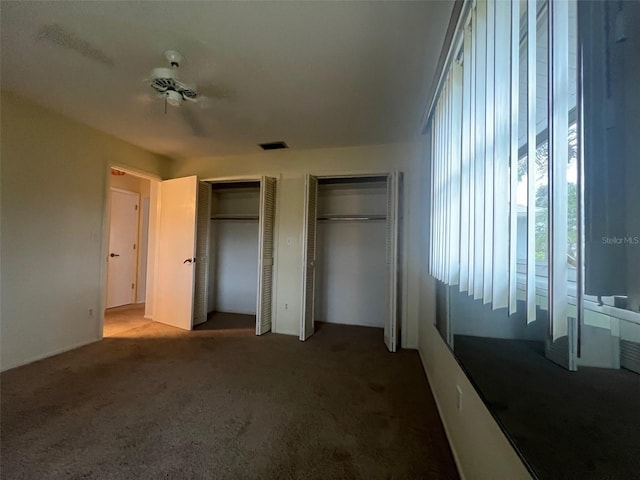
[(128, 238)]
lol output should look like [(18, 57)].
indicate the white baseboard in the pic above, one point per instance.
[(444, 423)]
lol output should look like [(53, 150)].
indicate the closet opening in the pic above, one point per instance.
[(351, 248), (240, 266)]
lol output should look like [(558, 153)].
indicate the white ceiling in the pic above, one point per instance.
[(314, 74)]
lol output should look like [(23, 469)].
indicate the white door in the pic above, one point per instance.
[(174, 285), (123, 236), (309, 257), (391, 322), (265, 254), (201, 288)]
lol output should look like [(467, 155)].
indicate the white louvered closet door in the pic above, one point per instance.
[(265, 254), (309, 256), (391, 323), (201, 285)]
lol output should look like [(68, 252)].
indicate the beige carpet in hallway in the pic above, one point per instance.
[(156, 402), (122, 319)]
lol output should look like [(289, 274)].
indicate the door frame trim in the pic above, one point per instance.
[(104, 239)]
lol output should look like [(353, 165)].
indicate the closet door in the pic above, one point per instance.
[(391, 321), (201, 287), (265, 254), (309, 256), (176, 252)]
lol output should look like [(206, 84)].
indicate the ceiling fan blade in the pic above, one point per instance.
[(192, 120)]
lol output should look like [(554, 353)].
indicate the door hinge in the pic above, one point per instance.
[(134, 246), (133, 285), (136, 208)]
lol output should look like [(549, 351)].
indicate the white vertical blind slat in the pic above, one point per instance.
[(464, 166), (480, 75), (501, 179), (439, 252), (514, 156), (436, 199), (471, 154), (489, 146), (531, 156), (558, 159), (446, 240), (432, 182), (456, 144), (437, 181)]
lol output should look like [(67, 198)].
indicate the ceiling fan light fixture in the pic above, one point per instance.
[(173, 98), (163, 72)]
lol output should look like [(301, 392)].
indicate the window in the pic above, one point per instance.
[(548, 243), (504, 159)]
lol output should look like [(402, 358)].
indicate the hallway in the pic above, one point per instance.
[(119, 320)]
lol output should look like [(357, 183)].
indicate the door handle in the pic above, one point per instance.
[(114, 255), (190, 260)]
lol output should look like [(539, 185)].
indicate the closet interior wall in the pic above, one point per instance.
[(351, 273), (233, 262)]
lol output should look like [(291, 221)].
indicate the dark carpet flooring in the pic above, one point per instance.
[(582, 425), (159, 403)]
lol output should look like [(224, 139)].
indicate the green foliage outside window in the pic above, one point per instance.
[(542, 199)]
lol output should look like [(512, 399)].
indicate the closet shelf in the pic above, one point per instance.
[(347, 218), (235, 217)]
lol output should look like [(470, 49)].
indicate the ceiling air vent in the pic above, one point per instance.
[(273, 145)]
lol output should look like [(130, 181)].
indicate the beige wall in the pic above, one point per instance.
[(480, 448), (290, 167), (53, 189)]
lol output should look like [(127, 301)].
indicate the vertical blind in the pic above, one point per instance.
[(508, 57)]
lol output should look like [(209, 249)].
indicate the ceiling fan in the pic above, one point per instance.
[(164, 80), (166, 83)]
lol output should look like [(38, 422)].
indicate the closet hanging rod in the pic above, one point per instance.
[(351, 218), (235, 217)]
